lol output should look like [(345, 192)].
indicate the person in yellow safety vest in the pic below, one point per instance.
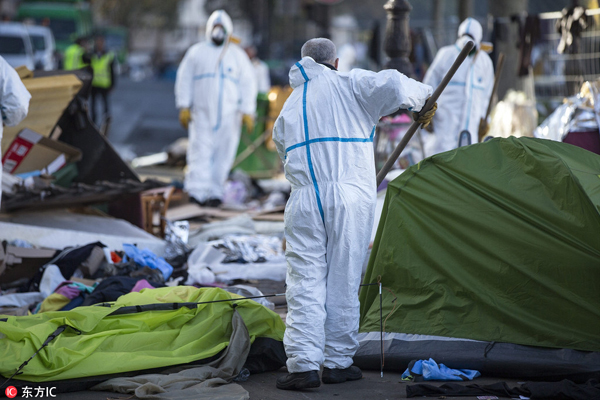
[(103, 64), (76, 56)]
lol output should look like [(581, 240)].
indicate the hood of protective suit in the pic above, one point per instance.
[(470, 29), (219, 17), (311, 69)]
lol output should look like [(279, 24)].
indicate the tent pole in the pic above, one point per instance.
[(381, 327)]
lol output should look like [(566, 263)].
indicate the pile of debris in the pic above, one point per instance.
[(142, 244)]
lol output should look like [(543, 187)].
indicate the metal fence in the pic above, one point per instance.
[(556, 75)]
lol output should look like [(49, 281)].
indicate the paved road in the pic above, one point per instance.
[(262, 387), (144, 117)]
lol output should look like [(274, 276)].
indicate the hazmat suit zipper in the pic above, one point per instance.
[(221, 78)]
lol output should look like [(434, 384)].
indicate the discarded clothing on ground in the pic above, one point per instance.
[(429, 370), (110, 289), (237, 257), (534, 390), (66, 296), (67, 261), (206, 382), (145, 257), (249, 249)]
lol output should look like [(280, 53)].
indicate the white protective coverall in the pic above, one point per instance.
[(14, 99), (464, 101), (218, 85), (324, 135), (263, 80)]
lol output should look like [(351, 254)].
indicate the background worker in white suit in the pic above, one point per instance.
[(215, 90), (464, 101)]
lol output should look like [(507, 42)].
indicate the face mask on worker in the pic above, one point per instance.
[(218, 35)]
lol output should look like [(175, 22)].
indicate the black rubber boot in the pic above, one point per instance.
[(299, 381), (351, 373), (214, 203)]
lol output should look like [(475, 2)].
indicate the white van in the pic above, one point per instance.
[(44, 48), (15, 45)]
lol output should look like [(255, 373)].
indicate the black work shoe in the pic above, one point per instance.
[(351, 373), (299, 381), (214, 203)]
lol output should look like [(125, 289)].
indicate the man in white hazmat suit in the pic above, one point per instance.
[(324, 135), (14, 99), (215, 89), (465, 100)]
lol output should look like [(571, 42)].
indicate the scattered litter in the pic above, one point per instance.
[(240, 225), (51, 278), (274, 270), (249, 291), (147, 258), (429, 370), (176, 235), (576, 121), (242, 376), (200, 262), (249, 249)]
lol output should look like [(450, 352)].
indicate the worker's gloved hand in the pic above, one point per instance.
[(248, 122), (185, 117), (429, 128), (425, 119)]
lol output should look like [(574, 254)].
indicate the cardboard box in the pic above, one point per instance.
[(50, 96), (18, 262), (30, 152)]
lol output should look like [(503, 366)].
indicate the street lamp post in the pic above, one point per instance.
[(397, 43)]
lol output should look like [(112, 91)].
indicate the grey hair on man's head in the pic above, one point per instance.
[(321, 50)]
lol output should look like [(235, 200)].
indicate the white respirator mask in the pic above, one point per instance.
[(218, 35)]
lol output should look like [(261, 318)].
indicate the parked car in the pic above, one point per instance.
[(44, 47), (15, 45)]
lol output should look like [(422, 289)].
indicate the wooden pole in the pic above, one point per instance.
[(430, 102)]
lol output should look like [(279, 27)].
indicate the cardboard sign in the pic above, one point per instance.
[(30, 152)]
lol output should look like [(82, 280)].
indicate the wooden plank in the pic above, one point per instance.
[(269, 217), (273, 210), (189, 211)]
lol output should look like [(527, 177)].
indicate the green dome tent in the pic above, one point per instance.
[(493, 253)]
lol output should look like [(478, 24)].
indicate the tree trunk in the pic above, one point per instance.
[(507, 42), (438, 22), (465, 9)]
